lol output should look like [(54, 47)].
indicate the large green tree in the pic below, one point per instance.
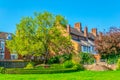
[(44, 34), (23, 38)]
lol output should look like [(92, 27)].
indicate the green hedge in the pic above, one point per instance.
[(86, 58), (2, 70), (68, 64), (53, 66), (38, 71), (118, 64)]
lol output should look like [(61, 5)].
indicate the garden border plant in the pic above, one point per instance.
[(38, 71), (2, 70)]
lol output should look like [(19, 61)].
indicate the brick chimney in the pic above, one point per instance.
[(68, 28), (94, 32), (86, 32), (78, 26), (100, 35)]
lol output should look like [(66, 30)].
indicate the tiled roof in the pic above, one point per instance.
[(76, 32), (81, 33), (91, 36), (85, 43), (83, 40), (3, 35)]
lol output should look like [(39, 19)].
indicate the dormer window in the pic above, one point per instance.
[(9, 37)]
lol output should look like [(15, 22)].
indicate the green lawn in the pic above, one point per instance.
[(81, 75)]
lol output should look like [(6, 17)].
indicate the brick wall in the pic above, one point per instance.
[(7, 54)]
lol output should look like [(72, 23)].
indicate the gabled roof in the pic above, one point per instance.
[(91, 36), (76, 32), (81, 33), (3, 35)]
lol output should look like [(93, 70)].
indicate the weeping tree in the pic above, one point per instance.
[(44, 34)]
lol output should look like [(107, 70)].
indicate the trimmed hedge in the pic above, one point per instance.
[(2, 70), (78, 67), (68, 64), (38, 71)]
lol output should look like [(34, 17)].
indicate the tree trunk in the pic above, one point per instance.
[(46, 56)]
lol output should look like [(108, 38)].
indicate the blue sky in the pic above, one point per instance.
[(100, 14)]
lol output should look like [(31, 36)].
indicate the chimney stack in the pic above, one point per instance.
[(68, 28), (94, 32), (100, 35), (78, 26), (86, 32)]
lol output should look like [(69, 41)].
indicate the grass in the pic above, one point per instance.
[(81, 75)]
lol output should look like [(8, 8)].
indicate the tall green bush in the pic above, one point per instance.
[(111, 58), (68, 64), (65, 57), (86, 58), (118, 64), (54, 59), (78, 67), (59, 58)]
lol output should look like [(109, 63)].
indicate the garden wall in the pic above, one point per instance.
[(13, 64)]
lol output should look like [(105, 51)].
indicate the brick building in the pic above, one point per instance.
[(83, 41), (4, 52)]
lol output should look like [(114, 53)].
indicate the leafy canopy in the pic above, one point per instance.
[(44, 34), (109, 42)]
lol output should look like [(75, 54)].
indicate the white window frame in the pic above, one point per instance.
[(2, 55), (15, 55)]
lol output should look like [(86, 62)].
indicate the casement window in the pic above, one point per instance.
[(84, 48), (1, 56), (92, 48), (2, 47), (14, 56), (88, 49)]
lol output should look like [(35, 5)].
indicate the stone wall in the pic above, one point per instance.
[(13, 64)]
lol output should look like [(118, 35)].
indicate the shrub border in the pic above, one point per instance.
[(38, 71)]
